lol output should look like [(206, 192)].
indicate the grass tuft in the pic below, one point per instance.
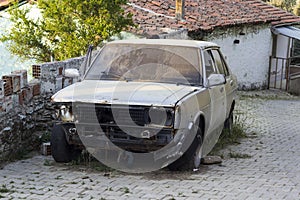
[(4, 189), (234, 138), (239, 155)]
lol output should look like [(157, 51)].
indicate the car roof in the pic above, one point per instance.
[(169, 42)]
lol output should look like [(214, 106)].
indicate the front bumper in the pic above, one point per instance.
[(167, 144), (133, 139)]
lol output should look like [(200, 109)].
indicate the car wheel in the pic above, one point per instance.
[(60, 149), (191, 158), (228, 125)]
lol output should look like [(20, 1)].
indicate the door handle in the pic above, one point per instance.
[(221, 89)]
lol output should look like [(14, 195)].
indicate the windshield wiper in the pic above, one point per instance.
[(116, 75)]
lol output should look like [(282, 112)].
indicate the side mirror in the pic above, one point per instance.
[(216, 79), (71, 73)]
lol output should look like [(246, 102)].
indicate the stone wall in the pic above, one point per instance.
[(22, 128), (26, 113)]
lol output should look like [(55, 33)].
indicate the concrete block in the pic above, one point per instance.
[(58, 84), (46, 149), (16, 82), (22, 96), (23, 77), (7, 103), (52, 70), (12, 83), (28, 93), (36, 71), (51, 85), (74, 63), (1, 89), (15, 99), (48, 70), (8, 85), (36, 89), (47, 86), (1, 104)]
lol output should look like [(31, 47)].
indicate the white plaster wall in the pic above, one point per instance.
[(248, 60), (179, 34)]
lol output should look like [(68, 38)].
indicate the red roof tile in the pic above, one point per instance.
[(152, 16)]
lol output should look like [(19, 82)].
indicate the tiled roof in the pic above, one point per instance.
[(152, 16), (4, 3)]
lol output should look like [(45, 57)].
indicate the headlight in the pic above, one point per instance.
[(64, 113), (160, 116)]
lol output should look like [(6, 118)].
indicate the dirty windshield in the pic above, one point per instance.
[(147, 63)]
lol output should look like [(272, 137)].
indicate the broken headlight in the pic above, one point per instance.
[(160, 116)]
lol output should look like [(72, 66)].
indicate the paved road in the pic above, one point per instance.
[(271, 172)]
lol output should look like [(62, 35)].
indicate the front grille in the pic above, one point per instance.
[(106, 114), (134, 114), (85, 114), (126, 127)]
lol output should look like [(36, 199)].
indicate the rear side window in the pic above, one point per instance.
[(220, 63)]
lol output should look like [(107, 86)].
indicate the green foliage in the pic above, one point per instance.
[(297, 8), (65, 28), (287, 5)]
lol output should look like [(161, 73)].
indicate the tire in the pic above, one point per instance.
[(189, 161), (61, 151), (228, 125)]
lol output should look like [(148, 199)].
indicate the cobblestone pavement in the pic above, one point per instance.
[(271, 169)]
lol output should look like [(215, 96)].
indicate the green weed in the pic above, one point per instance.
[(234, 137), (239, 155)]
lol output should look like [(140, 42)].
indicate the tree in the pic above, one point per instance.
[(65, 28), (287, 5), (297, 8)]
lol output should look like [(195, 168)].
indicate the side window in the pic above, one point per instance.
[(209, 63), (220, 63)]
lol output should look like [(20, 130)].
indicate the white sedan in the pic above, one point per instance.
[(147, 104)]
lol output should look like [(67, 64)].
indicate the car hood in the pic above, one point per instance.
[(122, 92)]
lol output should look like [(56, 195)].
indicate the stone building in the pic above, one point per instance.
[(246, 30)]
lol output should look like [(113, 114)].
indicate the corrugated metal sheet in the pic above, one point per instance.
[(288, 31)]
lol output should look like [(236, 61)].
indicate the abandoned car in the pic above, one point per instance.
[(146, 104)]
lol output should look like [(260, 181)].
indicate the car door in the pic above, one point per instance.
[(230, 84), (217, 96)]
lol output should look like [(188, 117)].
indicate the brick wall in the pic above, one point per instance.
[(26, 112), (51, 75)]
